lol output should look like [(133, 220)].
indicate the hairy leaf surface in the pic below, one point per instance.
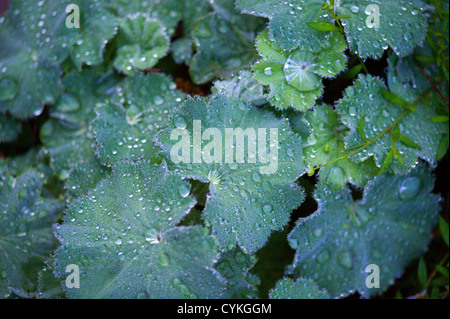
[(129, 246), (388, 227), (249, 197)]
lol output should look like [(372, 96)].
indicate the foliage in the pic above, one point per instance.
[(103, 164)]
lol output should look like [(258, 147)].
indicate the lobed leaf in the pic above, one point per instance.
[(129, 246), (388, 227), (249, 197)]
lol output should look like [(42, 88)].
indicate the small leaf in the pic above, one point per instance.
[(425, 60), (387, 161), (295, 77), (443, 271), (396, 134), (443, 147), (343, 16), (439, 119), (397, 155), (361, 128), (394, 98), (406, 141), (422, 273), (142, 41), (322, 26), (443, 226), (350, 74)]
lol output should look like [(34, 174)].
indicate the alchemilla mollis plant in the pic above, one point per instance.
[(223, 148)]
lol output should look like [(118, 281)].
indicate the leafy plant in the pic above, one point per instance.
[(224, 149)]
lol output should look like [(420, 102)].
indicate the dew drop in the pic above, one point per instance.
[(409, 188), (268, 71), (324, 256), (345, 259), (8, 89), (164, 259), (267, 208), (184, 190), (179, 122)]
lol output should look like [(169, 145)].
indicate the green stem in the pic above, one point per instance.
[(386, 130)]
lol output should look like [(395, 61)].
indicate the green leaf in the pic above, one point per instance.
[(97, 27), (85, 176), (439, 119), (224, 41), (394, 98), (234, 266), (143, 41), (183, 50), (408, 142), (295, 78), (300, 289), (33, 43), (397, 155), (402, 26), (124, 127), (361, 128), (128, 246), (387, 161), (26, 234), (388, 227), (325, 143), (443, 226), (443, 147), (66, 135), (50, 287), (9, 128), (322, 26), (443, 271), (396, 134), (288, 21), (353, 72), (422, 273), (364, 98), (241, 87), (249, 197)]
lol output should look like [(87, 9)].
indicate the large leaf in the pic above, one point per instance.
[(66, 135), (295, 77), (128, 246), (124, 128), (288, 21), (34, 40), (249, 197), (363, 104), (300, 289), (402, 26), (388, 227), (26, 237)]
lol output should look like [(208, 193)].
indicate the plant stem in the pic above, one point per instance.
[(386, 130)]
